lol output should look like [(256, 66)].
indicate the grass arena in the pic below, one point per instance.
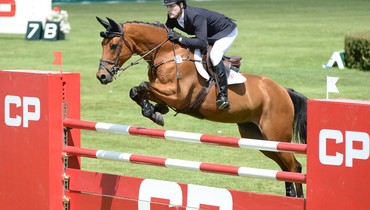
[(285, 40), (41, 157)]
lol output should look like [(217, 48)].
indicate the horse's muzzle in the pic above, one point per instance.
[(104, 77)]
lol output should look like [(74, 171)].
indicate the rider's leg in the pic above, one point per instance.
[(219, 49), (221, 100)]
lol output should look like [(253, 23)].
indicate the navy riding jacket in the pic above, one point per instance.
[(207, 26)]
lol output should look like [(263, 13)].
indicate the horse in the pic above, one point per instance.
[(261, 108)]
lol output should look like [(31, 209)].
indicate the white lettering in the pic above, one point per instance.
[(50, 30), (210, 196), (7, 8), (17, 120), (34, 29), (27, 115), (324, 135), (196, 195), (351, 153), (150, 188)]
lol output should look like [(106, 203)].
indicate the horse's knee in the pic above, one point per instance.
[(134, 95), (144, 86), (137, 92)]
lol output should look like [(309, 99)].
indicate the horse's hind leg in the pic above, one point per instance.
[(251, 130), (282, 159), (279, 128)]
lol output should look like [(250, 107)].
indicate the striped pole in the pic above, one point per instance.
[(264, 145), (187, 165)]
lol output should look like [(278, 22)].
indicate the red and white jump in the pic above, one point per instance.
[(37, 173), (187, 136), (186, 164)]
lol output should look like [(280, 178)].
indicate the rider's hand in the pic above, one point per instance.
[(173, 36)]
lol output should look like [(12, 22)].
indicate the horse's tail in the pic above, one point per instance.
[(300, 116)]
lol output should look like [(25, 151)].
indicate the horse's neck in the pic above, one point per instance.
[(145, 37)]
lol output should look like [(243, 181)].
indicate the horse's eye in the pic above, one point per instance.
[(113, 47)]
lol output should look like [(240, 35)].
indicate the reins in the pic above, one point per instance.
[(142, 57), (116, 68)]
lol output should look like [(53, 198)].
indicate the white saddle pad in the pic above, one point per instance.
[(233, 77)]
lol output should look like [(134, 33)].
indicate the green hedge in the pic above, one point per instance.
[(357, 50)]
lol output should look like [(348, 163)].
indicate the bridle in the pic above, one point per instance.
[(113, 71), (115, 68)]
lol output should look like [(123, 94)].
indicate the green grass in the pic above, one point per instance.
[(286, 40)]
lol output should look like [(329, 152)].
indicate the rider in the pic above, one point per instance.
[(209, 27)]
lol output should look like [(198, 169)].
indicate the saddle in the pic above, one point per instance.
[(230, 62)]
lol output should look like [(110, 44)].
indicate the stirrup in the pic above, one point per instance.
[(222, 105)]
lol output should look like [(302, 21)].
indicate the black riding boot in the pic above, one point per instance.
[(221, 100)]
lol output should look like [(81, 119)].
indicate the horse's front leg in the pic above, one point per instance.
[(139, 94), (160, 106)]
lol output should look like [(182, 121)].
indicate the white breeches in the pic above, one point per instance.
[(221, 46)]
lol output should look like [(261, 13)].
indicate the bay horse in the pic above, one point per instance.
[(260, 107)]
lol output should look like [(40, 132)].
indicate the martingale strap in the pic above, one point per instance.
[(193, 109)]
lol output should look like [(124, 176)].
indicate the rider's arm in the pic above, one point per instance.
[(200, 39)]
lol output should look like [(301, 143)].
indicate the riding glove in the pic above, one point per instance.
[(174, 36)]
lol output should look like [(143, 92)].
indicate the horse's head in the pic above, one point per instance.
[(116, 50)]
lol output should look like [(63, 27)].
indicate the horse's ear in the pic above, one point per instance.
[(116, 27), (104, 23)]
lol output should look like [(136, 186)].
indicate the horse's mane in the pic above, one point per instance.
[(155, 24)]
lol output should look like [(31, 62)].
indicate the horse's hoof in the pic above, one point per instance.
[(161, 108), (158, 118), (291, 193), (289, 189)]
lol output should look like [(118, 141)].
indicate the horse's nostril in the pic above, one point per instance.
[(103, 77)]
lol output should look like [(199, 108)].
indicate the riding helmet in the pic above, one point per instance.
[(169, 2)]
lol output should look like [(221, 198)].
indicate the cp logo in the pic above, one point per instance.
[(30, 110), (350, 153)]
